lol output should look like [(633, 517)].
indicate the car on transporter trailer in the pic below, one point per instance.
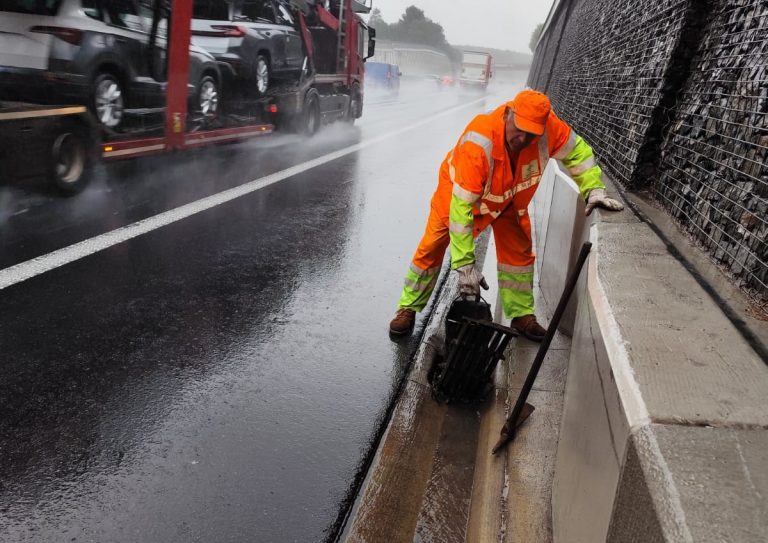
[(257, 40), (101, 53), (66, 140)]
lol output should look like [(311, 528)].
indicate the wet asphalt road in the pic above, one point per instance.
[(219, 378)]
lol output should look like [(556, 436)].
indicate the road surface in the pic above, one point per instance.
[(217, 371)]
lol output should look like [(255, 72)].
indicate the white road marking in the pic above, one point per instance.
[(44, 263)]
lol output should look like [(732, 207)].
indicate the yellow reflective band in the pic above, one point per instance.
[(419, 287), (583, 166), (509, 268), (516, 285), (463, 194), (424, 273), (457, 228), (566, 149)]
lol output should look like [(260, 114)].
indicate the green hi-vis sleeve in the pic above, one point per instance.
[(583, 168), (460, 227)]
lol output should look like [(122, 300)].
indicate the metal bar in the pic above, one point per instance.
[(50, 112), (510, 427), (179, 35)]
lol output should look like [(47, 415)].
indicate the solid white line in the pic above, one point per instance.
[(41, 264)]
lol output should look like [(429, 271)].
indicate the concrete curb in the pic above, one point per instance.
[(656, 366)]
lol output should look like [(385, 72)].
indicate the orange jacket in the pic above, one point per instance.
[(480, 164)]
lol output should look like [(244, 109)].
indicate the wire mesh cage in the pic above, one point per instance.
[(673, 96), (713, 174)]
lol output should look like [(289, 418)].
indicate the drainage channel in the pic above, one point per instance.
[(412, 343), (351, 501)]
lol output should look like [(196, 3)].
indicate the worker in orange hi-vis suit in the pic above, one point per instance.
[(489, 178)]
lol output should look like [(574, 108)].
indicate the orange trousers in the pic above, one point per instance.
[(514, 254)]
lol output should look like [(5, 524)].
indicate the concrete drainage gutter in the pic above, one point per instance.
[(391, 505)]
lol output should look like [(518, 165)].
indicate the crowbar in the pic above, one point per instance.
[(523, 410)]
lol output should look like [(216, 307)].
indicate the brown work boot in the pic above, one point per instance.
[(528, 326), (403, 322)]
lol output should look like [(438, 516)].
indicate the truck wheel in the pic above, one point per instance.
[(353, 109), (262, 75), (311, 117), (70, 164), (108, 100)]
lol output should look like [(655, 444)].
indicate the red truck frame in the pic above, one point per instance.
[(346, 82)]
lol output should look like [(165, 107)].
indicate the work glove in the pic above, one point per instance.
[(597, 198), (470, 281)]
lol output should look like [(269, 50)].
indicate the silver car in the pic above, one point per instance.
[(100, 53)]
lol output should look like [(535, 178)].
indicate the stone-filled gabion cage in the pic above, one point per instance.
[(673, 96)]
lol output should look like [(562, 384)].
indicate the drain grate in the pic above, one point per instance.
[(465, 375)]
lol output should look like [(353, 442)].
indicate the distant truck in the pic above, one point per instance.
[(476, 70)]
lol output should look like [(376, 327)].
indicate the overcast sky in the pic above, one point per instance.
[(504, 24)]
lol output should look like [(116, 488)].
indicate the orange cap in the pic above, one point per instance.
[(531, 109)]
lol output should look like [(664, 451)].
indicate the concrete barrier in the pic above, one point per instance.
[(663, 434)]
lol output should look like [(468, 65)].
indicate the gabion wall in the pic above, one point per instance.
[(713, 173), (673, 95)]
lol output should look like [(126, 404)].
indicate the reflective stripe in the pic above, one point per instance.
[(423, 273), (419, 287), (566, 149), (480, 140), (583, 166), (516, 285), (457, 228), (514, 190), (487, 146), (498, 199), (451, 168), (463, 194), (509, 268), (520, 212), (543, 151), (485, 210), (533, 181)]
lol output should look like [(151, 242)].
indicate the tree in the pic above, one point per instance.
[(535, 36), (415, 27), (376, 20)]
